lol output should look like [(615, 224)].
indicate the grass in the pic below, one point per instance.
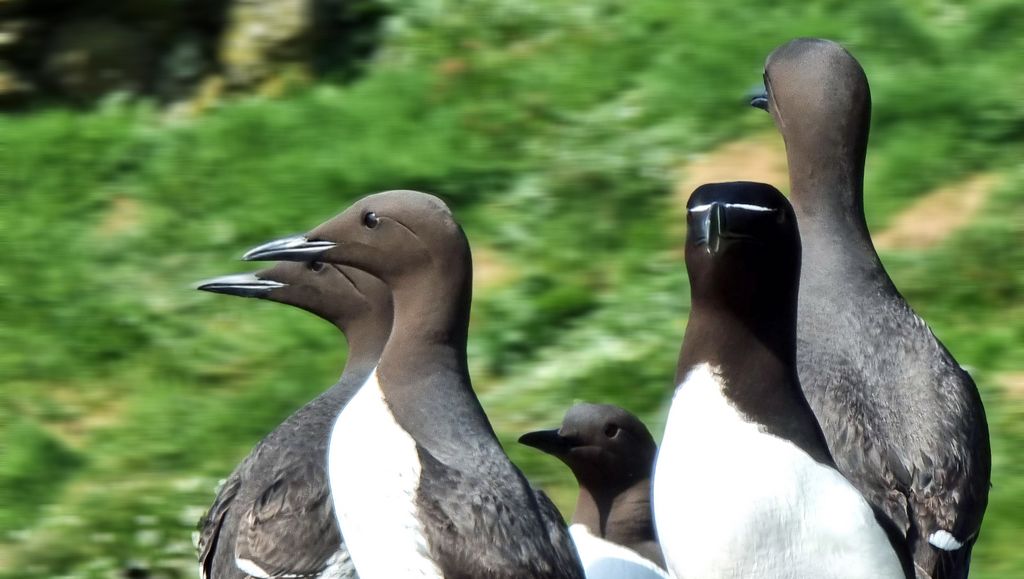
[(555, 130)]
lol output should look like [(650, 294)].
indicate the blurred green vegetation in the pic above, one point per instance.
[(555, 129)]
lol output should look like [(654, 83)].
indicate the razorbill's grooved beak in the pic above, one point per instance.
[(709, 228)]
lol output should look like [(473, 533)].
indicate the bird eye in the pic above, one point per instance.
[(315, 266), (611, 430), (370, 220)]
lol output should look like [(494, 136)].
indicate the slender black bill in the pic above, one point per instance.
[(294, 248), (245, 285), (549, 441)]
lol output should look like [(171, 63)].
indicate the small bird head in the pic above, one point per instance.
[(742, 246), (390, 235), (339, 294), (602, 445)]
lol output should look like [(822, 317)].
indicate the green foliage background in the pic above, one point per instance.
[(554, 128)]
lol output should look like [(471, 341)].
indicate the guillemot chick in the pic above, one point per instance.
[(611, 454)]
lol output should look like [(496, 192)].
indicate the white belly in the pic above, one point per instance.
[(374, 472), (605, 560), (733, 501)]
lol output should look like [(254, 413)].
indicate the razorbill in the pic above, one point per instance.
[(744, 485)]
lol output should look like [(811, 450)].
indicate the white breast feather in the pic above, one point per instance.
[(374, 471), (606, 560), (733, 501)]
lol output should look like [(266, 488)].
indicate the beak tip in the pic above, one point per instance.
[(528, 439)]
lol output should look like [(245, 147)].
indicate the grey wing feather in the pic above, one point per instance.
[(474, 531), (212, 523), (864, 463), (290, 529), (555, 524), (922, 487)]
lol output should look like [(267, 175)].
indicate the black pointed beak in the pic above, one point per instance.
[(294, 248), (549, 441), (758, 97), (246, 285)]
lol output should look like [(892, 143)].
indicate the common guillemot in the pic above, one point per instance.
[(438, 496), (273, 517), (903, 420)]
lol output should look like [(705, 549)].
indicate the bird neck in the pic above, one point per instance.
[(431, 310), (423, 371), (756, 364), (620, 515), (827, 191), (762, 341), (364, 351), (826, 160)]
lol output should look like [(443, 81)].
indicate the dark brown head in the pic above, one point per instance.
[(606, 447), (393, 235), (344, 296), (742, 249), (818, 95)]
